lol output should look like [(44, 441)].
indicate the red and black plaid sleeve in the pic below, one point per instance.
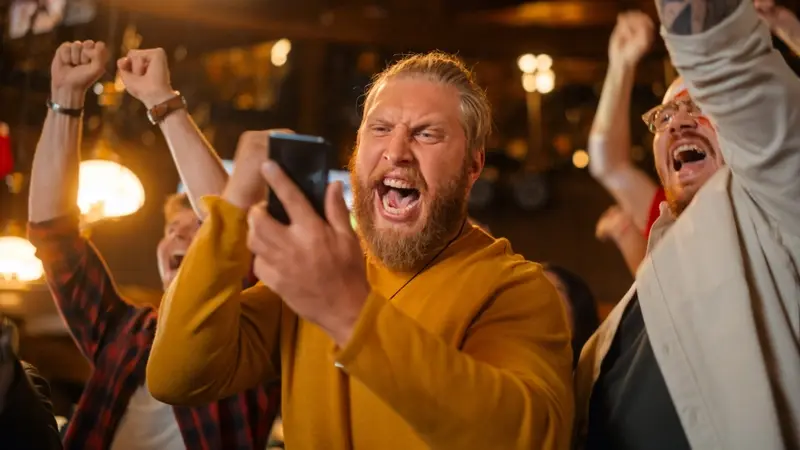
[(80, 283)]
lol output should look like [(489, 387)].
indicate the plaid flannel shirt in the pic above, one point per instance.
[(116, 339)]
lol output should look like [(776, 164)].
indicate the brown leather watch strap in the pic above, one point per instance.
[(158, 113)]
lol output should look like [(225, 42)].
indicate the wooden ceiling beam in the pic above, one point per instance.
[(551, 14), (223, 27), (566, 14)]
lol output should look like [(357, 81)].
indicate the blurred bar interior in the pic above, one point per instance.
[(252, 64)]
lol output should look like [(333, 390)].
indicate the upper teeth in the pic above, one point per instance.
[(181, 253), (398, 184), (686, 148)]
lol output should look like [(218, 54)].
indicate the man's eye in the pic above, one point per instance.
[(428, 136), (664, 117)]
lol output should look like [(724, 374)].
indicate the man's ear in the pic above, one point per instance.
[(476, 161)]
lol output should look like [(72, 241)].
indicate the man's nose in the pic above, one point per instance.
[(398, 152), (683, 121), (181, 234)]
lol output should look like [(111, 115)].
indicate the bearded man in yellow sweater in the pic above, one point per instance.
[(440, 337)]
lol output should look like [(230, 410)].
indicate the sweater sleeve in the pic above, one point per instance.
[(213, 340), (509, 386), (745, 86)]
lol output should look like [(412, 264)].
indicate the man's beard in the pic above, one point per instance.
[(401, 251), (675, 202)]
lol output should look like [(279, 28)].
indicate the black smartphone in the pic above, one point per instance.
[(307, 160)]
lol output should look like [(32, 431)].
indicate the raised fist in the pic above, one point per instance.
[(613, 224), (77, 65), (631, 38), (146, 76), (776, 16), (246, 185)]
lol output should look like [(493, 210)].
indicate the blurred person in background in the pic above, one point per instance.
[(26, 410), (116, 411), (439, 337), (637, 196), (580, 303), (703, 350)]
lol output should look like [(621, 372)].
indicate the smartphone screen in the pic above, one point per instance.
[(347, 191), (307, 161)]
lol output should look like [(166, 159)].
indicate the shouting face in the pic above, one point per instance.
[(180, 229), (685, 147), (412, 170)]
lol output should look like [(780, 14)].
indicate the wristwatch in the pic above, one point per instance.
[(72, 112), (159, 112)]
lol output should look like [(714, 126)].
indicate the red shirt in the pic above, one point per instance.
[(655, 210), (6, 157)]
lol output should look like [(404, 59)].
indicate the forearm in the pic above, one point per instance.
[(80, 283), (611, 126), (790, 35), (633, 247), (54, 175), (609, 147), (199, 166), (519, 405), (211, 341)]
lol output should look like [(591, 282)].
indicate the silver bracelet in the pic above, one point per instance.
[(72, 112)]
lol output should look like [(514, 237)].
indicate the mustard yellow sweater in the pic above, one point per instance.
[(474, 353)]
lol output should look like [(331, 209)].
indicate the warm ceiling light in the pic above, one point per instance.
[(544, 62), (545, 81), (282, 46), (529, 82), (580, 159), (527, 63), (18, 261), (279, 53), (107, 189)]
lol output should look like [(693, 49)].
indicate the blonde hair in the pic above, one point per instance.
[(176, 203), (440, 67)]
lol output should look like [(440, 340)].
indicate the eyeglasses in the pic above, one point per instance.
[(659, 118)]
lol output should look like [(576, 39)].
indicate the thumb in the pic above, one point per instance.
[(125, 70), (98, 54), (125, 66), (336, 209)]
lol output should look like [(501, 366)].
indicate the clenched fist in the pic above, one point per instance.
[(146, 76), (613, 224), (75, 67), (777, 17), (631, 38), (246, 185)]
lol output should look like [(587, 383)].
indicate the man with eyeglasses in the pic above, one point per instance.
[(703, 350), (685, 146)]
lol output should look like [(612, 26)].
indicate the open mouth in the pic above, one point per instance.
[(397, 196), (175, 260), (687, 154)]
